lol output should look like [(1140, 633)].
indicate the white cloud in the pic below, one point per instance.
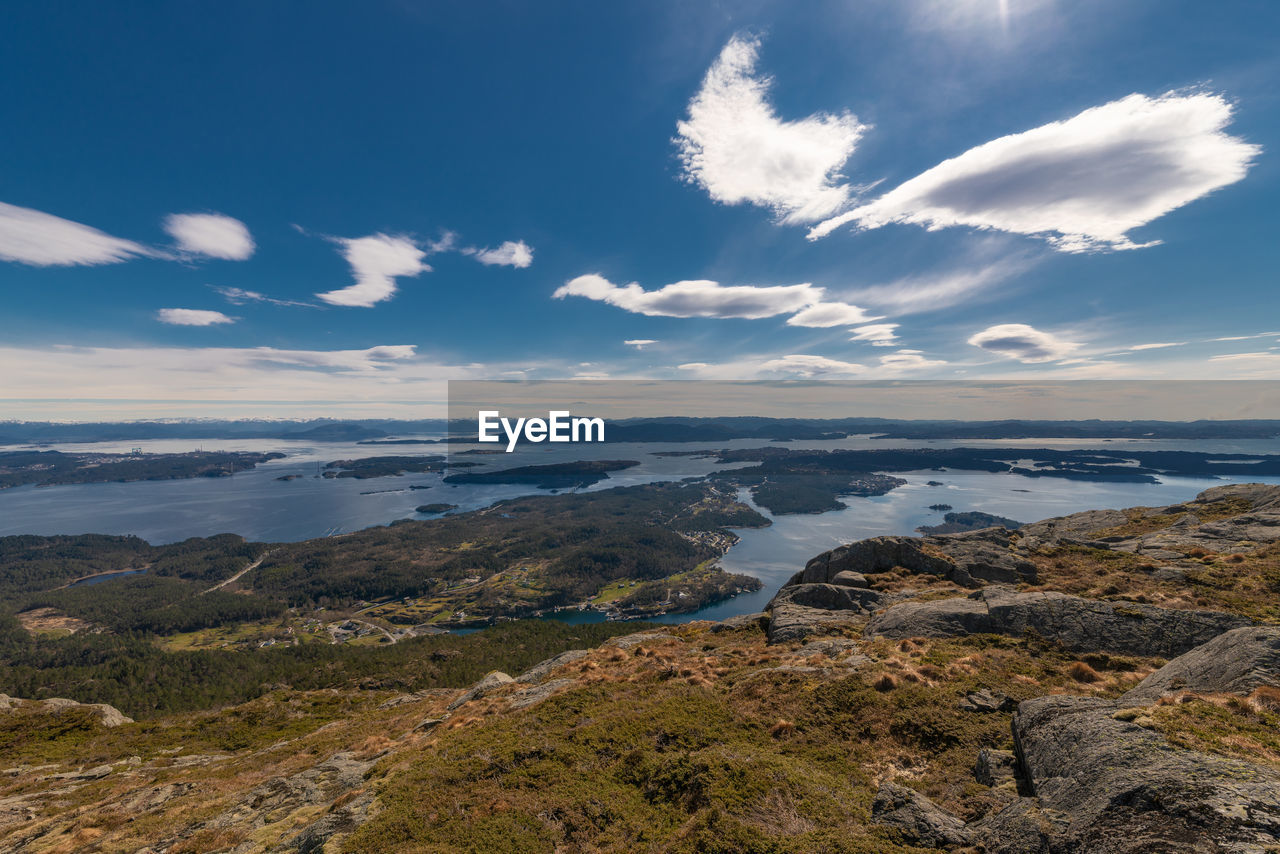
[(812, 366), (735, 147), (1159, 346), (1246, 337), (445, 243), (128, 383), (192, 317), (240, 296), (909, 360), (43, 240), (376, 261), (210, 235), (1024, 343), (512, 253), (1082, 183), (827, 314), (878, 334), (698, 298), (639, 343), (372, 359)]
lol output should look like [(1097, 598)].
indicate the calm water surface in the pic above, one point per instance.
[(259, 506)]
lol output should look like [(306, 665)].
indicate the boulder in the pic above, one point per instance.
[(986, 700), (790, 622), (801, 610), (1123, 789), (1079, 625), (496, 679), (919, 820), (109, 716), (1234, 662), (830, 597), (849, 578)]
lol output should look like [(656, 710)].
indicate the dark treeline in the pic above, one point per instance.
[(141, 680)]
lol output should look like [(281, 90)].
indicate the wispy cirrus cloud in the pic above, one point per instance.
[(376, 261), (210, 235), (985, 273), (29, 236), (192, 317), (1082, 183), (511, 253), (734, 146), (370, 359), (1024, 343), (1246, 337), (240, 296), (1156, 346)]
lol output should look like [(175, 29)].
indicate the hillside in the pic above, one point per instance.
[(1103, 682)]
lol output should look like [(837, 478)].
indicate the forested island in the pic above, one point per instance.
[(572, 475), (785, 480), (47, 468)]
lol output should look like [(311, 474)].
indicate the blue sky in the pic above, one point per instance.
[(248, 209)]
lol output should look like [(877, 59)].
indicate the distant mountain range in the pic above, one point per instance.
[(673, 429)]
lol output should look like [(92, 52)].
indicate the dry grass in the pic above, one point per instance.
[(1082, 672)]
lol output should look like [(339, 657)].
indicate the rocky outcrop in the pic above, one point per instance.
[(1109, 786), (830, 597), (1234, 662), (535, 694), (320, 785), (967, 559), (789, 622), (494, 680), (995, 767), (1079, 625), (917, 819), (106, 715), (628, 641), (539, 673), (1241, 532)]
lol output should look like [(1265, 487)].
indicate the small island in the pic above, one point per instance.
[(368, 467), (958, 523), (572, 475), (439, 507)]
